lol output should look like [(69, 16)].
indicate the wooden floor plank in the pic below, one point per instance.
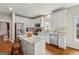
[(54, 50)]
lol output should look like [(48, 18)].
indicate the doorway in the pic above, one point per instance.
[(4, 30), (19, 29)]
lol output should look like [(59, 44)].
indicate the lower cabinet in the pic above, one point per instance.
[(47, 39), (28, 49), (62, 42), (53, 40), (59, 41), (37, 48)]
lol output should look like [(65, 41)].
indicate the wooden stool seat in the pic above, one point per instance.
[(16, 45), (6, 47)]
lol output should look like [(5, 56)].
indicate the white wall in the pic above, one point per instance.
[(3, 28), (4, 17), (20, 19), (49, 19), (73, 11)]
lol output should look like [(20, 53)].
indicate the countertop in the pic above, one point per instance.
[(33, 39), (56, 33)]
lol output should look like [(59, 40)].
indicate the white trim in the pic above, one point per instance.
[(72, 45), (42, 21)]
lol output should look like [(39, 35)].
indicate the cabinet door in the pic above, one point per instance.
[(40, 47), (47, 39), (62, 42), (53, 40), (61, 18), (28, 49), (55, 19)]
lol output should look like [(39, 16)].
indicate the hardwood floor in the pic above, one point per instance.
[(5, 47), (54, 50)]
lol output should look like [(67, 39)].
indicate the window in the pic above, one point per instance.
[(77, 27)]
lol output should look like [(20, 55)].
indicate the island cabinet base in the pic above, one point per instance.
[(37, 48)]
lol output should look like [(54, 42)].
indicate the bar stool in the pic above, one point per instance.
[(16, 50)]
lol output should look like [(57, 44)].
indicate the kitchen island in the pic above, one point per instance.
[(34, 45)]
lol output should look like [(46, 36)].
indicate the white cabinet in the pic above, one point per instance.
[(62, 18), (58, 40), (37, 48), (59, 19), (47, 39), (62, 42), (33, 45), (40, 48), (55, 20), (53, 39)]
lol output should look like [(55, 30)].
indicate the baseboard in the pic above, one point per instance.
[(73, 46)]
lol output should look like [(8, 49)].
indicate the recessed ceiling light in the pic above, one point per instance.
[(48, 15), (11, 9)]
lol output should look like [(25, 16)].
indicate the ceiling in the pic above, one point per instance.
[(33, 9)]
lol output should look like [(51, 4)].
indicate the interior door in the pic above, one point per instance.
[(8, 30)]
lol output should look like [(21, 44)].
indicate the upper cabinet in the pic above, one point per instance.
[(37, 21), (59, 18), (28, 22)]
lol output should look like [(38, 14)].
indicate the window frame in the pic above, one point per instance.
[(75, 28)]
